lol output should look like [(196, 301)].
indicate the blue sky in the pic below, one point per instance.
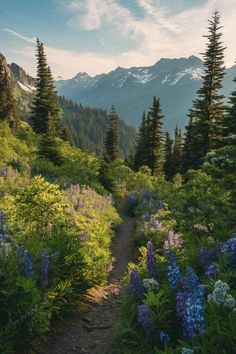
[(98, 35)]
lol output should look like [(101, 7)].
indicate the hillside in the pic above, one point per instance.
[(88, 126), (175, 81)]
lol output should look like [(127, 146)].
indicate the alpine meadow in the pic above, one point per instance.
[(117, 187)]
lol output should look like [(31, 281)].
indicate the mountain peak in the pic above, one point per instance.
[(82, 75)]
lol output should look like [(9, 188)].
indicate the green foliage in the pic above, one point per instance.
[(7, 102), (88, 127), (14, 152), (46, 113)]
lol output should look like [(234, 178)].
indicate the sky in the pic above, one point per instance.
[(96, 36)]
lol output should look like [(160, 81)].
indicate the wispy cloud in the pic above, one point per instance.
[(153, 34), (18, 35), (157, 33)]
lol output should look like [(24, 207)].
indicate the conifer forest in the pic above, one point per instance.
[(112, 240)]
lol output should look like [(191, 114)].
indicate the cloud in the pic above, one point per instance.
[(18, 35), (153, 34), (158, 33)]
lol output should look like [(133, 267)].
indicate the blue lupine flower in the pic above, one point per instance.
[(151, 261), (190, 305), (26, 261), (45, 262), (164, 337), (4, 234), (145, 216), (146, 321), (173, 272), (212, 270), (228, 248), (135, 286)]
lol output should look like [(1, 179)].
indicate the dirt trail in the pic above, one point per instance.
[(90, 331)]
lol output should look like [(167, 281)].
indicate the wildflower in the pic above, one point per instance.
[(172, 241), (212, 270), (44, 268), (151, 261), (206, 256), (146, 321), (190, 305), (187, 351), (228, 248), (220, 295), (26, 261), (135, 286), (154, 222), (173, 270), (151, 284), (164, 337)]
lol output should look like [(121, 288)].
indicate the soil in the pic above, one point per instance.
[(89, 331)]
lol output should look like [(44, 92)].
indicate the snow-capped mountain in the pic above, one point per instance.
[(175, 81)]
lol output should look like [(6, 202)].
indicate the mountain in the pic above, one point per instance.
[(175, 81), (87, 126)]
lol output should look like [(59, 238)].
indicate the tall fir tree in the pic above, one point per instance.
[(168, 164), (177, 151), (140, 158), (111, 141), (155, 137), (45, 103), (230, 119), (7, 101), (207, 114)]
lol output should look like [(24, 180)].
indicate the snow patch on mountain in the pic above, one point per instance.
[(194, 73), (26, 88)]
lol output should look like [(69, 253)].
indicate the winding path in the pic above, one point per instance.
[(90, 331)]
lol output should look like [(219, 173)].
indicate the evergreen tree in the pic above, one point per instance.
[(7, 102), (111, 141), (177, 151), (140, 154), (45, 103), (154, 138), (230, 119), (168, 164), (207, 114)]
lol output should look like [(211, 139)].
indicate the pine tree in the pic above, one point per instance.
[(207, 114), (177, 151), (168, 164), (7, 102), (140, 154), (111, 141), (230, 119), (45, 103), (155, 138)]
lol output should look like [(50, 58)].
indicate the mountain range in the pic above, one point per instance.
[(175, 81), (87, 126)]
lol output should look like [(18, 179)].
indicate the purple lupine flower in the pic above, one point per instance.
[(147, 323), (172, 241), (45, 263), (4, 233), (228, 249), (135, 286), (190, 305), (151, 261), (212, 270), (145, 216), (164, 337), (173, 273), (26, 261), (154, 222)]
